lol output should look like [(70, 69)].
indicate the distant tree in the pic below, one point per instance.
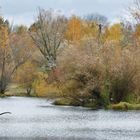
[(97, 23), (99, 19), (20, 29)]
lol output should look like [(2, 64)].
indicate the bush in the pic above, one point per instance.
[(107, 73), (80, 74), (123, 75)]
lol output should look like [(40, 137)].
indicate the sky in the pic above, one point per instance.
[(25, 11)]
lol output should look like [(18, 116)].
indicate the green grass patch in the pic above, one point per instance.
[(66, 102), (72, 102), (92, 105), (124, 106)]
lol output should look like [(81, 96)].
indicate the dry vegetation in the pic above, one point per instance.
[(86, 61)]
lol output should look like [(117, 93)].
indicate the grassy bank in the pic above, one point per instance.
[(93, 105), (66, 102), (72, 102), (124, 106)]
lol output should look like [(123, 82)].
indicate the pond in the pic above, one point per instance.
[(38, 119)]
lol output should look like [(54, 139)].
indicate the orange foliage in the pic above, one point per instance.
[(74, 30)]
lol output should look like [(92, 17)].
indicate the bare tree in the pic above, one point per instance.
[(135, 11), (48, 35)]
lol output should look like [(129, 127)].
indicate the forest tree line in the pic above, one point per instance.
[(85, 59)]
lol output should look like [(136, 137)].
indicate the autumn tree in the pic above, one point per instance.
[(13, 53), (48, 35), (90, 30), (113, 33), (26, 75), (74, 29), (4, 57)]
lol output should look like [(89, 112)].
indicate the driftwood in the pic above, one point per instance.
[(5, 113)]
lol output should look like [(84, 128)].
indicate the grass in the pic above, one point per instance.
[(66, 102), (124, 106), (72, 102), (3, 95), (92, 105), (120, 106)]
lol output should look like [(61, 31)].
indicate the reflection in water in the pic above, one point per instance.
[(37, 119)]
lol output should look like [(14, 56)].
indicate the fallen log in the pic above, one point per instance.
[(5, 113)]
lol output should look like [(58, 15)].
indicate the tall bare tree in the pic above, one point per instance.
[(48, 35)]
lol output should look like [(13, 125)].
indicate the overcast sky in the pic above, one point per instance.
[(24, 11)]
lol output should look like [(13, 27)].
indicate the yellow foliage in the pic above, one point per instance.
[(113, 33), (137, 32), (74, 30), (42, 88), (4, 37), (26, 73), (90, 29)]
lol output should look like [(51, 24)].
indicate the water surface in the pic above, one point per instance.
[(38, 119)]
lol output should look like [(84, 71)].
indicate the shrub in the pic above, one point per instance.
[(108, 73)]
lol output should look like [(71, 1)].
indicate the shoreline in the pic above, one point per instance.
[(122, 106)]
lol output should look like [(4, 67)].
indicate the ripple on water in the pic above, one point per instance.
[(38, 119)]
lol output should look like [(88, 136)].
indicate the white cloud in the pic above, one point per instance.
[(25, 11), (72, 12)]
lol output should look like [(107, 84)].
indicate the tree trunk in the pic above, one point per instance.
[(29, 89)]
